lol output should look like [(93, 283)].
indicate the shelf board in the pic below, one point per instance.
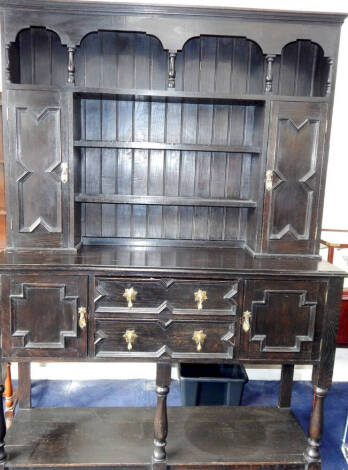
[(170, 95), (165, 146), (203, 437), (173, 96), (163, 200)]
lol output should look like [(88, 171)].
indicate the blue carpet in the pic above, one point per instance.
[(141, 393)]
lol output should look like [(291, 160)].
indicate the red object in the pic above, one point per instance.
[(342, 337)]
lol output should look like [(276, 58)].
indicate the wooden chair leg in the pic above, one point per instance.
[(2, 426), (9, 396), (8, 391), (24, 385)]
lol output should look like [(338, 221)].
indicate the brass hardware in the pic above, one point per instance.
[(64, 173), (269, 180), (129, 295), (199, 337), (130, 336), (200, 297), (246, 321), (82, 317)]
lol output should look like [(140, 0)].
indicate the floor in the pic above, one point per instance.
[(256, 392)]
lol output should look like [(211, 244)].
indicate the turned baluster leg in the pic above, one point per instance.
[(316, 424), (2, 427), (323, 371), (159, 460)]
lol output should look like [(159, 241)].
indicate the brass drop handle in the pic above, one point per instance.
[(269, 180), (64, 173), (246, 321), (130, 336), (82, 317), (130, 295), (199, 337), (200, 297)]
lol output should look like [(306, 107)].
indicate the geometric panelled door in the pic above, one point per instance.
[(284, 318), (296, 144), (38, 145), (41, 315)]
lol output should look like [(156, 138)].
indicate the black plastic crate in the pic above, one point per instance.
[(212, 384)]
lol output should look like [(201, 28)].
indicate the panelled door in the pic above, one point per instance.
[(292, 186), (37, 160), (282, 319), (41, 315)]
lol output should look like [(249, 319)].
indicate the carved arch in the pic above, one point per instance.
[(222, 63), (121, 59), (302, 69), (37, 57)]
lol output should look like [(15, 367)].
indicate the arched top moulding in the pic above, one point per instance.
[(175, 31)]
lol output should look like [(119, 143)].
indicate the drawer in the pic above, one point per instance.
[(174, 339), (158, 296), (40, 315), (282, 319)]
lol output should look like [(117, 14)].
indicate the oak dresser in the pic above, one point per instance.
[(165, 173)]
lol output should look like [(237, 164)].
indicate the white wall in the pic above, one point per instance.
[(335, 209)]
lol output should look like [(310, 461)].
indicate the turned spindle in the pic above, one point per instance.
[(171, 69), (330, 62), (71, 65), (269, 73)]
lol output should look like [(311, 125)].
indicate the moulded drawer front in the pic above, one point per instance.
[(174, 339), (282, 319), (40, 315), (165, 296)]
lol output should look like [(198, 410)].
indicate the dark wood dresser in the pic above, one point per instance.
[(165, 172)]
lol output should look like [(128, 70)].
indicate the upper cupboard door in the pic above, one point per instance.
[(292, 194), (37, 162)]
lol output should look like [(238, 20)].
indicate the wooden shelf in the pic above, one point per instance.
[(201, 437), (163, 200), (165, 146), (170, 95)]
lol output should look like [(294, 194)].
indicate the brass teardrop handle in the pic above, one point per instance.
[(130, 295), (199, 337), (64, 173), (130, 336), (82, 317), (246, 321), (200, 297), (269, 180)]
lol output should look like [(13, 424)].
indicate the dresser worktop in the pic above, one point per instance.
[(166, 259)]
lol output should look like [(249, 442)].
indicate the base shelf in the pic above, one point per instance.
[(199, 437)]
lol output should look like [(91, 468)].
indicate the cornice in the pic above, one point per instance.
[(81, 6)]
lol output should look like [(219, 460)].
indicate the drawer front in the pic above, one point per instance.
[(165, 296), (40, 316), (285, 319), (174, 339)]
